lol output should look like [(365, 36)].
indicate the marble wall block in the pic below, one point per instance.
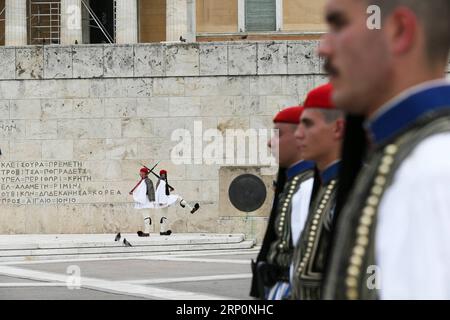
[(165, 127), (182, 60), (118, 61), (88, 61), (29, 62), (7, 63), (41, 129), (121, 149), (26, 109), (58, 62), (138, 87), (12, 129), (152, 107), (89, 149), (266, 85), (137, 128), (88, 108), (149, 60), (120, 107), (22, 150), (242, 59), (213, 59), (185, 107), (56, 108), (272, 58), (4, 109), (303, 58), (169, 86), (217, 106), (89, 128), (57, 150), (155, 148)]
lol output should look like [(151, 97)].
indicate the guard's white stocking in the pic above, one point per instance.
[(147, 222)]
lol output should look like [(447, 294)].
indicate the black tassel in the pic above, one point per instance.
[(270, 235), (167, 187), (354, 150)]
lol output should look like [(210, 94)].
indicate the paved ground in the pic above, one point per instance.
[(206, 275)]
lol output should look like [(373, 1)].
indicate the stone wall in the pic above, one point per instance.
[(79, 120)]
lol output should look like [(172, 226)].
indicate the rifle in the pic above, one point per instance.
[(156, 175)]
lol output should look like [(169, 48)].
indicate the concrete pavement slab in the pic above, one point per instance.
[(122, 270)]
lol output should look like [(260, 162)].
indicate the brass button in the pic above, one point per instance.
[(352, 294), (356, 260), (384, 169), (362, 241), (366, 221), (359, 250), (351, 282), (377, 190), (362, 231), (353, 271), (369, 211), (373, 201), (391, 149), (380, 181), (388, 160)]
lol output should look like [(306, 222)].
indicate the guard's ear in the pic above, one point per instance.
[(402, 29), (340, 128)]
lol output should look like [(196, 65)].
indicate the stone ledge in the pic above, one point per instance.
[(65, 246), (159, 60)]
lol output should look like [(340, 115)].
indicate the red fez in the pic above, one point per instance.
[(145, 170), (320, 98), (162, 172), (289, 115)]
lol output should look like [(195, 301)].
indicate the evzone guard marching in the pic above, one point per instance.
[(145, 197)]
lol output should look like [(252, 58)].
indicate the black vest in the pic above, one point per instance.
[(312, 249), (349, 275), (281, 249)]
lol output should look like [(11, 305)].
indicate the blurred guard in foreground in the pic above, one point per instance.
[(271, 272), (392, 237)]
